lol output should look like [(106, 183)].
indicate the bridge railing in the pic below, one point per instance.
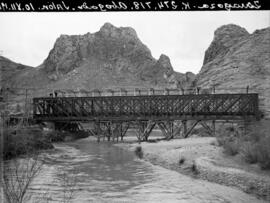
[(149, 91)]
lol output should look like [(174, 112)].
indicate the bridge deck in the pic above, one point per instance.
[(152, 107)]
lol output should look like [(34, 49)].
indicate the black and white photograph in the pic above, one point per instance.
[(134, 102)]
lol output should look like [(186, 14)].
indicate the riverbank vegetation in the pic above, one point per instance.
[(22, 140), (19, 140), (253, 146), (139, 152), (61, 136), (22, 162), (18, 175)]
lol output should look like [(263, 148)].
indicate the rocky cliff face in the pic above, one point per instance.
[(110, 57), (237, 59), (224, 37)]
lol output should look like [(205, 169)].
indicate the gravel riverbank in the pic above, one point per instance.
[(200, 157)]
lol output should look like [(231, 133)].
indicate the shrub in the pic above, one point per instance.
[(214, 143), (226, 134), (249, 152), (231, 147), (263, 152), (221, 140), (253, 146), (194, 168), (139, 152), (259, 136), (228, 137), (182, 160), (54, 136), (22, 141), (19, 171)]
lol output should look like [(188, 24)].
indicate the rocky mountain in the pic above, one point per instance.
[(236, 59), (16, 75), (110, 58), (10, 69)]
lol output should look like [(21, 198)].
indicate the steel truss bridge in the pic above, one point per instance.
[(112, 116)]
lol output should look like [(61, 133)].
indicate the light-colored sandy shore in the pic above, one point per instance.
[(201, 157)]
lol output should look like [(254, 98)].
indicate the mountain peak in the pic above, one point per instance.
[(165, 62), (224, 37), (107, 27), (237, 59), (112, 31), (232, 30), (115, 53)]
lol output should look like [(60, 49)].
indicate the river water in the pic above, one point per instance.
[(87, 171)]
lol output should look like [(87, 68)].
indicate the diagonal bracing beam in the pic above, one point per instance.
[(144, 129), (191, 128)]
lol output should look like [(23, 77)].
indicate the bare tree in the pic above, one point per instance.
[(18, 174)]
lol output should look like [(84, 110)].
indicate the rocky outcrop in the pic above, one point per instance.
[(110, 58), (116, 47), (224, 37), (237, 59), (111, 54), (110, 44)]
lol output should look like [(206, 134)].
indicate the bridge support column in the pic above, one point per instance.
[(110, 130), (97, 130), (187, 132), (167, 129), (100, 129), (177, 128), (214, 127), (105, 130), (144, 129), (115, 131), (184, 123), (124, 126), (209, 128), (121, 131)]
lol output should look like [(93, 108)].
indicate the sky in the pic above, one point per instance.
[(27, 38)]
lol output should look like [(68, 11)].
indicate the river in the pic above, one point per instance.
[(87, 171)]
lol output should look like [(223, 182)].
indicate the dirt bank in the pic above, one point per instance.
[(201, 157)]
